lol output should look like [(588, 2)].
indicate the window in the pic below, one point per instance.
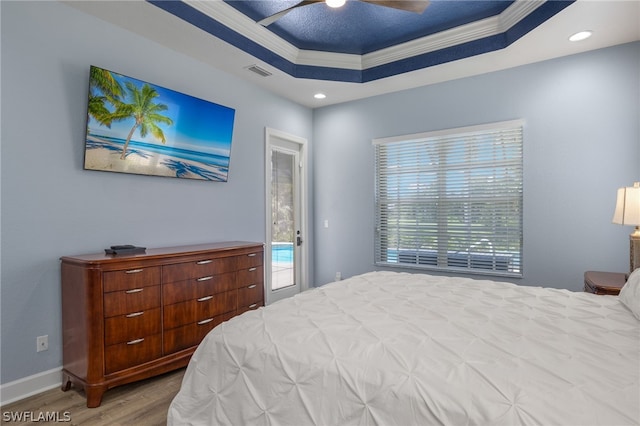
[(451, 200)]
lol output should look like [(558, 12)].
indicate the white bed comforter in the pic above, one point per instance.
[(388, 348)]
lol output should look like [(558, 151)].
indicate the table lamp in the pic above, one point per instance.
[(628, 213)]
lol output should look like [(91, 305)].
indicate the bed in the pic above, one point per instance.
[(387, 348)]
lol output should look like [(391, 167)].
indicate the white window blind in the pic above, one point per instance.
[(451, 200)]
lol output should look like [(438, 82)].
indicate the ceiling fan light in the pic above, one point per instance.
[(335, 3)]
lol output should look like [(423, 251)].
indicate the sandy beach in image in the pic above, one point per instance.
[(104, 155)]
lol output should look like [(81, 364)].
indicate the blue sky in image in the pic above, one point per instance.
[(197, 124)]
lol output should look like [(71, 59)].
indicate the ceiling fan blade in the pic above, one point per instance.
[(273, 18), (417, 6)]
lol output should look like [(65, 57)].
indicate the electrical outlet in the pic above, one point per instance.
[(338, 276), (42, 343)]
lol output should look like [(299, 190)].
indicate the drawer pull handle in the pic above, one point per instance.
[(133, 271), (205, 321), (210, 277), (252, 254), (253, 306), (135, 342), (135, 314), (204, 262), (204, 299), (252, 286), (135, 290), (252, 269)]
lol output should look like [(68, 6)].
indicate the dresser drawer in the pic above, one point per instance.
[(178, 314), (125, 328), (131, 278), (249, 260), (249, 276), (250, 295), (197, 287), (244, 308), (218, 284), (199, 309), (189, 335), (206, 325), (133, 300), (179, 338), (197, 269), (217, 304), (131, 353)]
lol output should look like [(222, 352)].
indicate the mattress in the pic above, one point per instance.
[(388, 348)]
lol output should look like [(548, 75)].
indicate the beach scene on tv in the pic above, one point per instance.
[(137, 127)]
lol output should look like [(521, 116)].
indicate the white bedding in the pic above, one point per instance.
[(388, 348)]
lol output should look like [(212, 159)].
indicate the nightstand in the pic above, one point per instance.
[(604, 282)]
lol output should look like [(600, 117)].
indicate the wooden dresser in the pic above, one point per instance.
[(130, 317)]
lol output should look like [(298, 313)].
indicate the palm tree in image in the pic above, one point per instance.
[(144, 111), (103, 87)]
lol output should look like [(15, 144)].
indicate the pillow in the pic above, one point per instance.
[(630, 293)]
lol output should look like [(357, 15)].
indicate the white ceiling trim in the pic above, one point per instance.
[(240, 23), (455, 36), (316, 58), (236, 21), (517, 12)]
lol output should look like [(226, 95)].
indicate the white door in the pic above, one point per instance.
[(286, 250)]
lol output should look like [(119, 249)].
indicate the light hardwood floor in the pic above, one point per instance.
[(143, 403)]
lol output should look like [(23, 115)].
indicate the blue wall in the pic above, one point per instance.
[(51, 207), (581, 142)]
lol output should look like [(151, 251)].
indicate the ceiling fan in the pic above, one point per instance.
[(417, 6)]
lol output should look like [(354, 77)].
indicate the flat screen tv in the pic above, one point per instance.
[(140, 128)]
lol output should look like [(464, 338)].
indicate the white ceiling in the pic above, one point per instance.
[(613, 22)]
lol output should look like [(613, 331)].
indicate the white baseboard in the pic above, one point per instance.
[(29, 386)]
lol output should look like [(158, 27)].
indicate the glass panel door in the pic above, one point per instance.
[(285, 249), (283, 219)]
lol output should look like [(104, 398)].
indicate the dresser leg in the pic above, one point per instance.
[(66, 385), (94, 395)]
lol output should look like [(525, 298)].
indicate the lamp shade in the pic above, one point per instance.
[(628, 206)]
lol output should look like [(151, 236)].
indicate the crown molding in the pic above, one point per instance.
[(316, 58), (241, 24), (515, 13), (488, 27)]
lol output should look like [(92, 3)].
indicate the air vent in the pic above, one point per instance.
[(258, 70)]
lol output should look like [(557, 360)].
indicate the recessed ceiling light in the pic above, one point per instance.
[(319, 96), (335, 3), (582, 35)]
